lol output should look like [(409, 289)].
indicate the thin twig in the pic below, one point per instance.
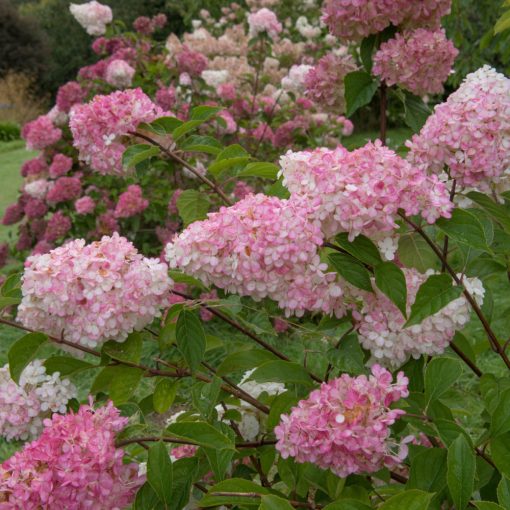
[(446, 239)]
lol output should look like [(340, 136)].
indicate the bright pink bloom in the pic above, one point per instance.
[(58, 226), (183, 452), (74, 465), (106, 224), (70, 94), (264, 20), (98, 126), (160, 20), (345, 425), (191, 62), (242, 190), (13, 213), (165, 98), (172, 205), (64, 189), (60, 165), (260, 247), (34, 166), (227, 91), (419, 61), (143, 25), (131, 202), (42, 247), (84, 205), (96, 292), (325, 81), (119, 74), (35, 208), (362, 191), (40, 133), (469, 133)]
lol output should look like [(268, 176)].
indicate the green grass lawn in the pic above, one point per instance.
[(12, 155)]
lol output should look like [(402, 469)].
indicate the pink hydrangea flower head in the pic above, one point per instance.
[(345, 425), (37, 188), (4, 253), (355, 19), (261, 247), (58, 226), (160, 20), (469, 133), (172, 205), (191, 62), (381, 324), (34, 166), (60, 165), (70, 94), (73, 465), (419, 61), (242, 190), (24, 406), (183, 452), (64, 189), (119, 74), (13, 213), (25, 239), (144, 25), (166, 98), (362, 191), (35, 208), (40, 133), (280, 325), (227, 91), (96, 292), (92, 16), (426, 13), (98, 127), (131, 202), (94, 71), (266, 21), (84, 205), (106, 224), (42, 247), (325, 81)]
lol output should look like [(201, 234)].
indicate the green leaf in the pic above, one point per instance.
[(281, 371), (433, 295), (244, 360), (347, 504), (362, 248), (164, 395), (202, 434), (282, 404), (163, 125), (12, 286), (135, 154), (260, 169), (23, 351), (408, 500), (199, 143), (179, 277), (185, 128), (366, 50), (504, 492), (190, 338), (487, 505), (233, 485), (500, 420), (498, 211), (124, 384), (159, 472), (192, 206), (348, 357), (503, 23), (465, 228), (440, 374), (129, 350), (270, 502), (416, 111), (428, 470), (229, 157), (413, 251), (500, 451), (66, 365), (204, 113), (184, 473), (8, 301), (147, 499), (220, 461), (359, 90), (353, 271), (461, 469), (391, 281)]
